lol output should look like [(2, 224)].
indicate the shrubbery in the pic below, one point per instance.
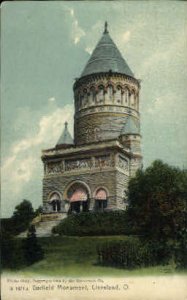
[(94, 223), (12, 256), (131, 253), (16, 253), (31, 248), (123, 254)]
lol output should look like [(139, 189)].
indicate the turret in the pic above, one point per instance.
[(130, 135), (104, 95), (65, 139), (131, 139)]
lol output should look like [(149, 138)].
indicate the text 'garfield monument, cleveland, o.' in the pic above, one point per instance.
[(91, 171)]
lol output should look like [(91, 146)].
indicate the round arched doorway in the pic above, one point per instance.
[(100, 199), (54, 201), (78, 197)]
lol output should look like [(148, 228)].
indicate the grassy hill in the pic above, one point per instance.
[(77, 256)]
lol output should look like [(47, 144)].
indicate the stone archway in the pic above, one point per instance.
[(101, 199), (78, 196)]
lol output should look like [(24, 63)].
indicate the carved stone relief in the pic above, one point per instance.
[(78, 164), (54, 167), (103, 161)]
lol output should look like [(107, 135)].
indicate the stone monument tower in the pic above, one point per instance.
[(92, 172)]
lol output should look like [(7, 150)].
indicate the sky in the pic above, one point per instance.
[(45, 46)]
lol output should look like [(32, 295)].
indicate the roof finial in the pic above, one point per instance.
[(106, 27), (66, 125)]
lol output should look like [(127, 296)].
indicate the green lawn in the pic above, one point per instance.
[(77, 256)]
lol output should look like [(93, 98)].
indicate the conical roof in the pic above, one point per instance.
[(106, 57), (131, 126), (65, 138)]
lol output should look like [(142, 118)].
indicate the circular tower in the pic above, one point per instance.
[(105, 95)]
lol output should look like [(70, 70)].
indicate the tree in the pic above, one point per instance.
[(22, 216), (158, 206), (31, 248), (38, 211)]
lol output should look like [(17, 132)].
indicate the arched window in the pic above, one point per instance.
[(54, 196), (126, 95), (132, 99), (136, 101), (78, 197), (92, 95), (100, 95), (118, 95), (110, 93), (54, 201), (85, 98), (100, 200), (101, 194)]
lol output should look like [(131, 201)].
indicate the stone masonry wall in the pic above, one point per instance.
[(99, 127), (106, 179)]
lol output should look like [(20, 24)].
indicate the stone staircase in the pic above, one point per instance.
[(44, 224)]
